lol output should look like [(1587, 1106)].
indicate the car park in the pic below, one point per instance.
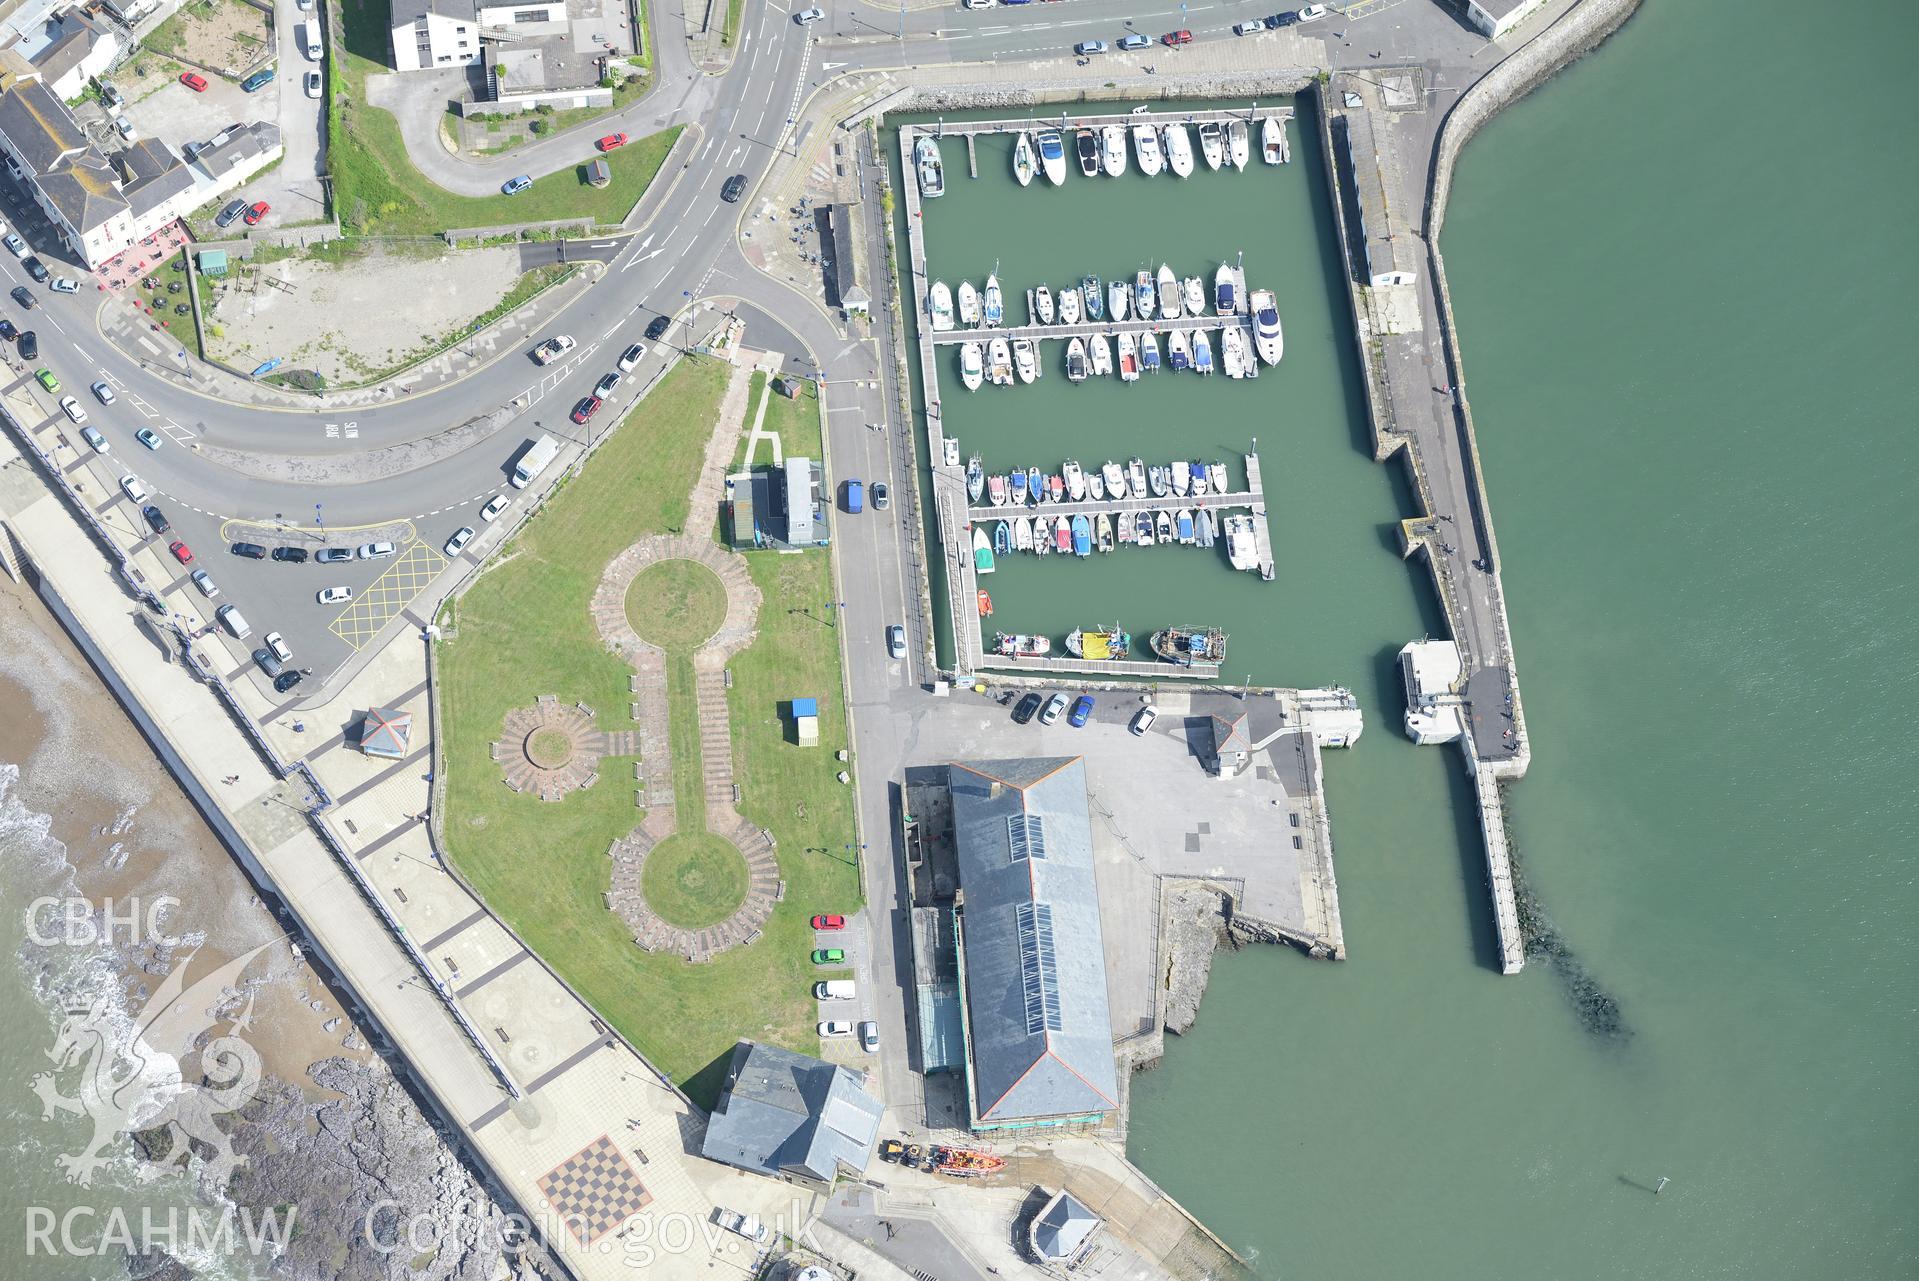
[(333, 555), (1090, 46), (194, 81), (257, 81), (1054, 706), (1082, 711), (605, 386), (1027, 709), (36, 269), (882, 496), (29, 345), (46, 379), (15, 246), (1251, 26), (234, 208), (588, 406), (312, 84), (130, 486), (656, 328), (267, 663), (24, 296), (1173, 39), (806, 17), (1133, 40), (334, 595), (611, 141), (829, 956), (631, 356), (494, 507), (461, 537), (278, 644), (204, 581), (896, 641), (290, 555), (1143, 719), (234, 621), (831, 1029), (376, 551), (181, 552), (829, 921), (256, 213), (72, 409), (735, 188), (102, 393), (252, 551), (93, 437), (869, 1036), (287, 680), (514, 186)]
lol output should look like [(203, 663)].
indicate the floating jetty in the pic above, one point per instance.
[(970, 129), (1087, 329)]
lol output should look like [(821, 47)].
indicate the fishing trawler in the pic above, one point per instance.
[(1099, 643), (1189, 645)]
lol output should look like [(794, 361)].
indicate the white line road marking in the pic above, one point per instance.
[(732, 155), (83, 353)]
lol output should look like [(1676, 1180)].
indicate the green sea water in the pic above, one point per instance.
[(1687, 314)]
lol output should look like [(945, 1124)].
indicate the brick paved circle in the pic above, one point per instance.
[(550, 748)]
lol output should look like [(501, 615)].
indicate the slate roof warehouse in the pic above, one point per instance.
[(1032, 965), (792, 1117)]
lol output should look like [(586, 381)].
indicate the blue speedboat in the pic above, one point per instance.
[(1149, 353), (1202, 352), (1082, 536), (1003, 538), (1095, 300), (1016, 483), (1182, 526)]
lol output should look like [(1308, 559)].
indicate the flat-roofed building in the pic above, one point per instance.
[(1387, 250), (1496, 17)]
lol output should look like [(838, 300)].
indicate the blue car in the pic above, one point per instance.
[(514, 186), (1082, 711)]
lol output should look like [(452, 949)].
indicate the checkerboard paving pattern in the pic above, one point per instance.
[(595, 1190), (416, 566)]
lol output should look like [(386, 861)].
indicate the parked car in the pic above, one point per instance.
[(102, 392), (233, 209), (267, 663), (1173, 39), (855, 500), (631, 356), (461, 537), (829, 956), (376, 551), (148, 437), (291, 555), (611, 141), (605, 386), (278, 644), (15, 246), (1133, 40), (832, 1028), (156, 519), (1054, 706), (130, 486), (1278, 20), (181, 552), (1082, 711), (36, 269), (287, 680), (257, 81), (1252, 26), (514, 186), (111, 96), (194, 81), (656, 328), (312, 83), (870, 1036), (204, 581), (334, 595), (896, 641), (252, 551), (257, 212), (829, 921), (24, 296), (46, 379), (735, 188), (588, 406), (7, 329), (1143, 719), (1312, 13), (494, 507), (234, 621), (835, 990), (72, 409), (1027, 709), (125, 128), (93, 437), (29, 345), (332, 555)]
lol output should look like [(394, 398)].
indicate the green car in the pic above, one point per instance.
[(47, 380), (829, 956)]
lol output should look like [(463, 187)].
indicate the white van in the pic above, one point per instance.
[(234, 621), (833, 990), (310, 39)]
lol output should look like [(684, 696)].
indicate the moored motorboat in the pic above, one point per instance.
[(1095, 485), (1195, 291), (1082, 536), (1128, 358), (972, 365), (1136, 476), (1225, 300), (1043, 304), (1024, 164), (1094, 298), (1112, 150), (999, 363), (940, 304), (932, 171), (1163, 526), (1074, 478), (1100, 354), (1168, 285), (1021, 645), (1123, 528), (996, 490), (1033, 485), (1212, 144), (1025, 362), (1242, 542), (1145, 301), (1216, 476), (1182, 477), (1233, 354), (1022, 533), (1202, 352), (1204, 529), (1189, 645), (1088, 147), (1146, 147), (985, 604), (1197, 471), (1178, 145), (1183, 526), (1069, 305), (995, 308), (1272, 141), (1157, 480), (982, 551), (1076, 360), (1268, 340), (1238, 149), (1056, 488), (1103, 532), (1148, 353), (1052, 156), (1062, 535), (968, 305), (1002, 538), (1119, 299), (1016, 488), (1143, 529), (976, 478), (1115, 477), (1179, 349)]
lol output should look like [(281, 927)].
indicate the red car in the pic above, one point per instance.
[(611, 141), (1172, 38), (829, 922), (586, 409), (256, 213), (194, 81), (181, 552)]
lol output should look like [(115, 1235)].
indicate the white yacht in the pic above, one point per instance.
[(995, 306), (1101, 353), (1043, 304), (1212, 144), (1112, 150), (1136, 476), (1268, 341), (999, 363), (1128, 358), (972, 366), (1075, 480), (1242, 545), (1182, 477), (1272, 141), (932, 172), (1148, 352), (1115, 477), (1195, 296), (1052, 156), (1069, 306), (968, 305), (940, 304), (1024, 165), (1076, 360), (1202, 352), (1178, 145), (1119, 296), (1168, 293), (1145, 301), (1179, 349), (1233, 356), (1146, 147), (1237, 145), (1025, 363)]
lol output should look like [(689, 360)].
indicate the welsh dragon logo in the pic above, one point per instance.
[(133, 1080)]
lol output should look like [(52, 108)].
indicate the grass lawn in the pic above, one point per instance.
[(796, 422), (676, 605), (377, 189), (523, 630)]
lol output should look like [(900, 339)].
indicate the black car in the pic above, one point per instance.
[(36, 269), (292, 555), (252, 551), (1279, 20), (735, 188), (333, 555), (656, 327), (24, 296), (226, 216), (268, 663), (29, 345), (286, 681), (1028, 706), (156, 519), (7, 331)]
